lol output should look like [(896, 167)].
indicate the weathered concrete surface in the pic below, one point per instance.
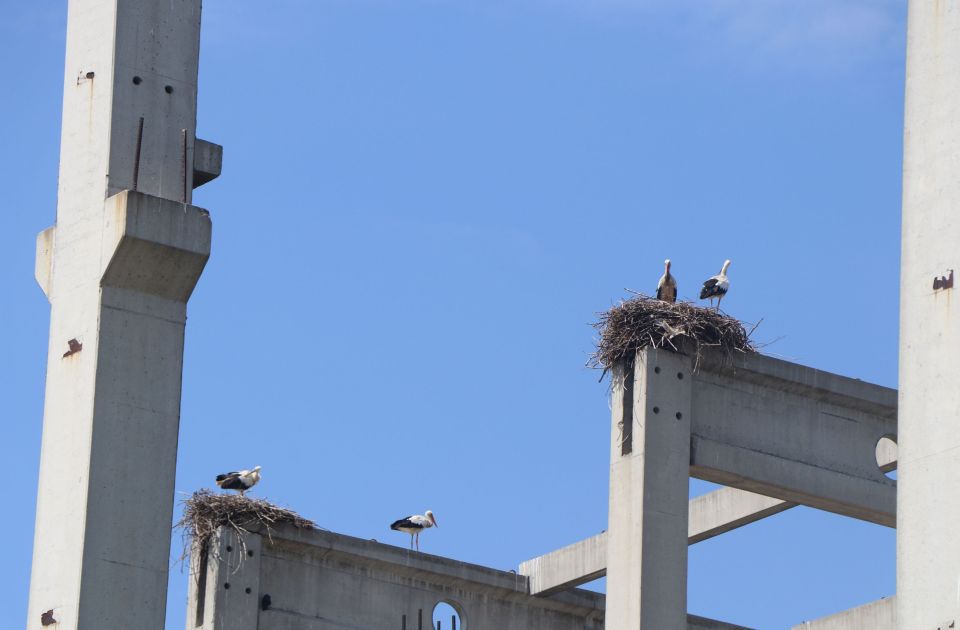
[(117, 269), (928, 547), (878, 615), (649, 486), (795, 433), (567, 567), (315, 580)]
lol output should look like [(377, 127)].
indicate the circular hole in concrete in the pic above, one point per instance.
[(680, 375), (250, 552), (91, 74), (247, 590), (229, 548), (656, 410), (886, 455), (226, 585), (656, 370), (679, 416), (447, 615), (137, 80), (168, 89)]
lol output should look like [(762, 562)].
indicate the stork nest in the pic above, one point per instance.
[(205, 512), (646, 322)]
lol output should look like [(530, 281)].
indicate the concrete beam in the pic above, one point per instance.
[(567, 567), (878, 615), (207, 162), (795, 433)]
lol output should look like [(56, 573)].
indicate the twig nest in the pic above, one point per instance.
[(646, 322), (205, 512)]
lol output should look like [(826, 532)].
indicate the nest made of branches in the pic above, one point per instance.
[(646, 322), (205, 512)]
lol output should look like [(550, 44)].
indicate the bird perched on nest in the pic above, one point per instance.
[(415, 524), (242, 480), (667, 287), (717, 286)]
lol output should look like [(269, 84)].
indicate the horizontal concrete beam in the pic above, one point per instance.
[(568, 567), (207, 162), (878, 615), (795, 433)]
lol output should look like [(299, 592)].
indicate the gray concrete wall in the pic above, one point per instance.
[(878, 615), (928, 547), (319, 580)]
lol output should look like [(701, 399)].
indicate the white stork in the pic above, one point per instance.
[(415, 524), (667, 287), (241, 480), (717, 286)]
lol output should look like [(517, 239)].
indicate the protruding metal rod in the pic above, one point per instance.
[(136, 157)]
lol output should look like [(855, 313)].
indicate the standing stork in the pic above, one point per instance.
[(242, 480), (415, 524), (667, 287), (717, 286)]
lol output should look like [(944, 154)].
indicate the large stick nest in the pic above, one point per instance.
[(205, 512), (646, 322)]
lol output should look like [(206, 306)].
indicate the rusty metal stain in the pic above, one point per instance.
[(943, 282), (46, 619), (75, 347)]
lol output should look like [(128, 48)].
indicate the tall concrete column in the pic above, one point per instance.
[(118, 268), (928, 501), (649, 488)]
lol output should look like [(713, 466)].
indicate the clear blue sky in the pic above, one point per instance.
[(424, 204)]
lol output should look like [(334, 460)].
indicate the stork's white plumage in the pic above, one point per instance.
[(717, 286), (415, 524), (241, 480), (667, 287)]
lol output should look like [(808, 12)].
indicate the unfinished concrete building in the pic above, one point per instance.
[(128, 248)]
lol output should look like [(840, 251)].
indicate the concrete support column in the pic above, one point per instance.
[(649, 488), (118, 268), (928, 503)]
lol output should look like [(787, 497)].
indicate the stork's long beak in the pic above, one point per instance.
[(435, 523)]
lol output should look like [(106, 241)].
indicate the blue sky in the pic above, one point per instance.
[(423, 206)]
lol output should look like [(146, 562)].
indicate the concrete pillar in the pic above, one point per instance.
[(118, 268), (649, 487), (928, 502)]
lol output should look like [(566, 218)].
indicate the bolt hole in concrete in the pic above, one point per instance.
[(656, 370), (656, 410), (250, 552), (137, 80), (886, 454), (680, 375), (446, 617), (229, 548), (679, 416), (90, 75), (168, 89), (226, 585), (247, 590)]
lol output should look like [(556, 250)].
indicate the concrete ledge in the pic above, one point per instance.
[(154, 245), (878, 615), (207, 162)]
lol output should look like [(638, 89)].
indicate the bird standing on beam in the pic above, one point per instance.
[(667, 287), (717, 286), (242, 480), (415, 524)]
